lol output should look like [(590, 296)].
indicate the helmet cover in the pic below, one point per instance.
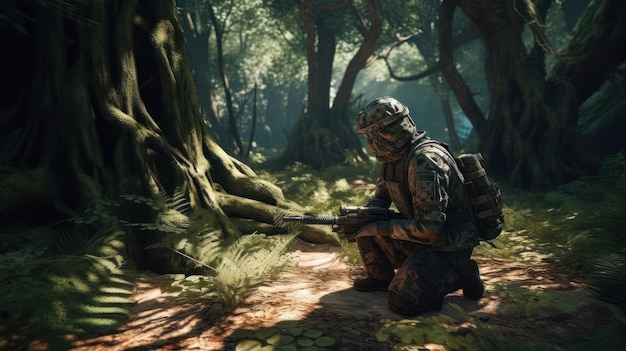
[(380, 113), (387, 127)]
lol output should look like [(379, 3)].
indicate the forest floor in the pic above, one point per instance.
[(311, 306)]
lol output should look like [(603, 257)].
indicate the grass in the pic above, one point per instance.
[(323, 192), (578, 226)]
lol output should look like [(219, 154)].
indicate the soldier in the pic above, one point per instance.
[(422, 258)]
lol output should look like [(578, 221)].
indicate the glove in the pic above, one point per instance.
[(378, 228)]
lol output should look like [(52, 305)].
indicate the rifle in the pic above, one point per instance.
[(349, 220)]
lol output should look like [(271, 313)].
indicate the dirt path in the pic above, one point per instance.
[(312, 307)]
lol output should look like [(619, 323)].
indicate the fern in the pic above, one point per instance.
[(65, 278), (608, 277), (185, 232), (229, 270), (233, 270), (246, 263)]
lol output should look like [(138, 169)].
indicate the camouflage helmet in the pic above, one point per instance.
[(387, 127), (380, 113)]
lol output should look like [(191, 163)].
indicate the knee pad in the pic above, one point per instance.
[(400, 305), (406, 307)]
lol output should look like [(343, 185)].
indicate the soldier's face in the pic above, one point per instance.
[(382, 144)]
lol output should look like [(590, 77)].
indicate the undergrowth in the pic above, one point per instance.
[(74, 276), (322, 192), (578, 226), (228, 278), (228, 270), (65, 278)]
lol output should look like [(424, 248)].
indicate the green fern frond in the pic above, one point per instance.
[(98, 323), (245, 263), (608, 278), (157, 204), (198, 262), (115, 291), (108, 298), (76, 264), (179, 202), (98, 309)]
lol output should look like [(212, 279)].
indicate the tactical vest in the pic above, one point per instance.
[(395, 176), (483, 204)]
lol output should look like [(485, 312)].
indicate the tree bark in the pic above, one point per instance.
[(427, 46), (105, 105), (326, 45), (359, 60), (596, 48), (311, 59), (531, 134)]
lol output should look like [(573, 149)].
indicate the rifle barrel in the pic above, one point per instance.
[(311, 219)]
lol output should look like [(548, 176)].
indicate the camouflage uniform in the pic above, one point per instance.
[(422, 255)]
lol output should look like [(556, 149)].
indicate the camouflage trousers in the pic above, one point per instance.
[(420, 277)]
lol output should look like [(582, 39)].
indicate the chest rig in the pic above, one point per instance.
[(395, 178)]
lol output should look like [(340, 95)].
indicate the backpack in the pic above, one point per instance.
[(484, 195)]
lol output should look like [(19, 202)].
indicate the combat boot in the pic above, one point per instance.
[(473, 287), (370, 284)]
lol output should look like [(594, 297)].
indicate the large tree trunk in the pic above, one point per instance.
[(105, 105), (310, 141), (531, 133), (596, 48), (326, 47)]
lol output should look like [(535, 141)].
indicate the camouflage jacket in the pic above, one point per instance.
[(426, 187)]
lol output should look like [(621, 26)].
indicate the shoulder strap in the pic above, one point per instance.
[(441, 149)]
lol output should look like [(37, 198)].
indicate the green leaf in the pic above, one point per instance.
[(325, 341)]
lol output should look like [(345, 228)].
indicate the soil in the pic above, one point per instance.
[(312, 307)]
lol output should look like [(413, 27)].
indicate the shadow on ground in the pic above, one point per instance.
[(527, 306)]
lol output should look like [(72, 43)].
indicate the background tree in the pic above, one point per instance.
[(531, 132), (197, 38), (420, 30), (238, 54), (277, 54), (105, 105), (324, 134)]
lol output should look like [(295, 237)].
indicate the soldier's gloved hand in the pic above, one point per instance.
[(378, 228)]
